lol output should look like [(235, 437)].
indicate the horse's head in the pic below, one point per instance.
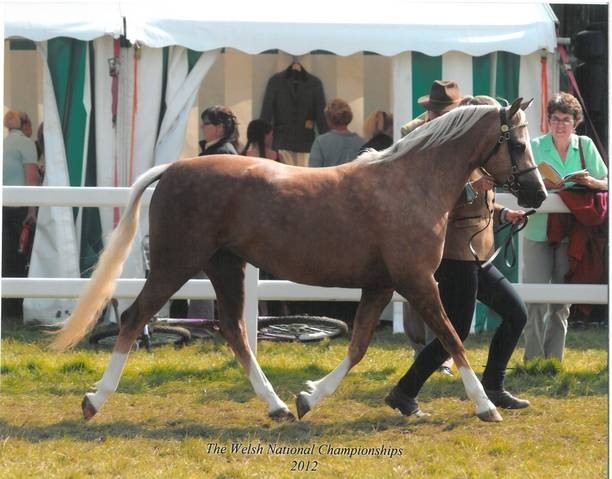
[(511, 161)]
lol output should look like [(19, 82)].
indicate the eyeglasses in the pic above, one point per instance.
[(563, 121)]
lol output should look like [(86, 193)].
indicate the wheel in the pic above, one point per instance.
[(300, 328), (105, 337), (164, 334), (158, 335)]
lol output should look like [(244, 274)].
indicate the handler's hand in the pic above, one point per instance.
[(515, 216)]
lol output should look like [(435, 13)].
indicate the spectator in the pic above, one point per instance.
[(19, 169), (259, 144), (444, 95), (338, 145), (462, 280), (219, 129), (259, 140), (220, 132), (546, 327), (378, 128)]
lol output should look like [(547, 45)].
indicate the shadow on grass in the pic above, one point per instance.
[(298, 432)]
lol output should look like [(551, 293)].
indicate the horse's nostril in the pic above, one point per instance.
[(541, 195)]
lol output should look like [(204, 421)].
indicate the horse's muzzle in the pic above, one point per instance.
[(533, 200)]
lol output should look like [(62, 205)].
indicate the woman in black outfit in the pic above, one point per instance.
[(461, 281), (219, 131), (219, 128)]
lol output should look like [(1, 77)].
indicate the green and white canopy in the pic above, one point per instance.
[(93, 139)]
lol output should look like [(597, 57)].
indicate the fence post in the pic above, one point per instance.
[(251, 304)]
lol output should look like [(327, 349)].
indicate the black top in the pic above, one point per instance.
[(378, 142)]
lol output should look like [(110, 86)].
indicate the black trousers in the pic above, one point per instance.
[(460, 284), (13, 263)]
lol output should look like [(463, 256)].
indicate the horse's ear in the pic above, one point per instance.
[(526, 105), (516, 104)]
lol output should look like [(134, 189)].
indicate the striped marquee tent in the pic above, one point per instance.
[(106, 121)]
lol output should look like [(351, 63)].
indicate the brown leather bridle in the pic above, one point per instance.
[(512, 183)]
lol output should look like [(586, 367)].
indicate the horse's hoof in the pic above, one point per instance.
[(88, 408), (302, 404), (282, 415), (490, 415)]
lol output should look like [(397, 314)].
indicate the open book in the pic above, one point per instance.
[(549, 173)]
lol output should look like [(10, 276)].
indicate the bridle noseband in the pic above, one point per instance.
[(512, 183)]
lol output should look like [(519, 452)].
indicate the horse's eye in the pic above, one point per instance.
[(519, 147)]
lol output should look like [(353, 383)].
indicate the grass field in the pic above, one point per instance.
[(191, 413)]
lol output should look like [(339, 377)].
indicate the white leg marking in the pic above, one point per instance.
[(317, 390), (110, 380), (475, 391), (263, 388)]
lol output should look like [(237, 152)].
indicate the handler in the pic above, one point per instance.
[(462, 280)]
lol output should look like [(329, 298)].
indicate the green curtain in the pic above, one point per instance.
[(507, 71), (429, 69), (481, 75), (68, 63)]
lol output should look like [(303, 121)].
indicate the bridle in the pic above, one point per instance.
[(512, 183)]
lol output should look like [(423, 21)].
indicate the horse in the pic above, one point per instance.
[(377, 223)]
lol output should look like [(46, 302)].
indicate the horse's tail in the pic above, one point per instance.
[(100, 287)]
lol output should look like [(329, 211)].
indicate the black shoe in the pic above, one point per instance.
[(503, 399), (407, 405)]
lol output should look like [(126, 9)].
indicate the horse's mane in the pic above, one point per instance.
[(434, 133)]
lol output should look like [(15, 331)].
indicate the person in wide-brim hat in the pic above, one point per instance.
[(443, 96)]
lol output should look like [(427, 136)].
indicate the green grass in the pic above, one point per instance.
[(176, 410)]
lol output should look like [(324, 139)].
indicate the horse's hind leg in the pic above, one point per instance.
[(427, 302), (153, 296), (226, 272), (370, 307)]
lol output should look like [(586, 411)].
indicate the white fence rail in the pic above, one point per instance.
[(255, 289)]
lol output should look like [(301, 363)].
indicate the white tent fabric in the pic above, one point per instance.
[(123, 152), (343, 28), (55, 248), (181, 91), (396, 28), (393, 26), (40, 20)]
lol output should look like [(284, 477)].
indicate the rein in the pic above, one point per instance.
[(512, 183), (508, 244)]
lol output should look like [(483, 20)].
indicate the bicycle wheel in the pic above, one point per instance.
[(158, 335), (105, 337), (163, 334), (300, 328)]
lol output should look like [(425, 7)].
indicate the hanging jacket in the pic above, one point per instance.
[(293, 103)]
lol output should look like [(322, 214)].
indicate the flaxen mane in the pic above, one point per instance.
[(446, 128)]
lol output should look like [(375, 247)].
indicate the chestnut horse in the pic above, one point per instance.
[(377, 223)]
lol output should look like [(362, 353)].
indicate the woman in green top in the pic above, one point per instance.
[(546, 326)]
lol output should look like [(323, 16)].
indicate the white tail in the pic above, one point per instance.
[(101, 286)]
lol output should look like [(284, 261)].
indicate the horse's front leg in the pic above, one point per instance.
[(370, 307), (429, 305)]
